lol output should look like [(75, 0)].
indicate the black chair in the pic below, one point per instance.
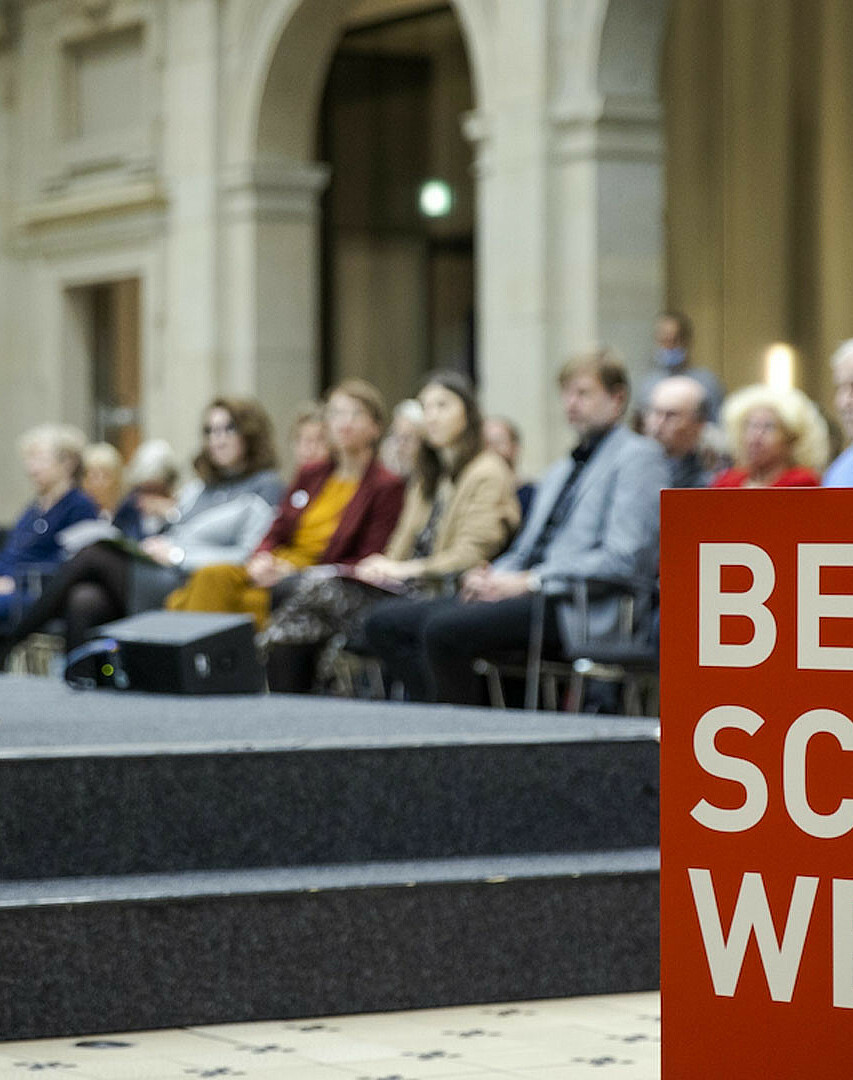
[(628, 658)]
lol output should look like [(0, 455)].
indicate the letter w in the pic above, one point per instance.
[(752, 912)]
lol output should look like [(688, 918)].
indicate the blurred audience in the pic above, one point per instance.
[(460, 509), (676, 417), (219, 517), (503, 436), (595, 515), (335, 511), (840, 472), (778, 438), (52, 455), (399, 450)]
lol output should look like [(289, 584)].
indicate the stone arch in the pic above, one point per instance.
[(279, 52), (286, 45)]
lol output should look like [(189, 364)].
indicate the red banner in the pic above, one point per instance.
[(757, 784)]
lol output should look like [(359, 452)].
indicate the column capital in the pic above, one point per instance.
[(615, 127), (478, 128), (274, 188)]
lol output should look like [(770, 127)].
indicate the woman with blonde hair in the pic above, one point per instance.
[(778, 437), (52, 457), (103, 469)]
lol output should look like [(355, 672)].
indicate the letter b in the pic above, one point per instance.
[(714, 604)]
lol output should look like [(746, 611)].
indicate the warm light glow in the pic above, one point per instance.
[(780, 363), (435, 198)]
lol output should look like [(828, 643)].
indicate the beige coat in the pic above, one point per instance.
[(480, 516)]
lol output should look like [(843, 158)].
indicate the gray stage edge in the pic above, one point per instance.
[(171, 861)]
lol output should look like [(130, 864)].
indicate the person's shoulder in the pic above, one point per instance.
[(384, 478), (628, 445), (799, 476), (839, 473), (729, 478), (486, 464), (77, 501), (313, 473), (266, 483)]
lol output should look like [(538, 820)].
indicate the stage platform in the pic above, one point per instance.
[(175, 860)]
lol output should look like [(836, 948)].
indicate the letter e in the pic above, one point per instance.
[(812, 606)]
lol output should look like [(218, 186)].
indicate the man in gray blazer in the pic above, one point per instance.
[(596, 515)]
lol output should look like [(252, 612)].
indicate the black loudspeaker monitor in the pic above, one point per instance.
[(184, 652)]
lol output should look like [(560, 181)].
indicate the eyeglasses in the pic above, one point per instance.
[(222, 429)]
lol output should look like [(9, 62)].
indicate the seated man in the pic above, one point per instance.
[(596, 515), (676, 418)]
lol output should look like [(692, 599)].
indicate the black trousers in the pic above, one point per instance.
[(90, 589), (429, 645)]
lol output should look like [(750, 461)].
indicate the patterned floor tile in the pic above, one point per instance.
[(616, 1037)]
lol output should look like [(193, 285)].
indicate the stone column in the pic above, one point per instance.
[(569, 166), (187, 373), (607, 269), (270, 300), (509, 135)]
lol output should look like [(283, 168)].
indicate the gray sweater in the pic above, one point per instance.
[(224, 522)]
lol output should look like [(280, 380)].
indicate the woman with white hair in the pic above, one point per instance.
[(52, 456), (778, 437), (152, 476)]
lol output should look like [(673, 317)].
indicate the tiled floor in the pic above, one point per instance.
[(615, 1037)]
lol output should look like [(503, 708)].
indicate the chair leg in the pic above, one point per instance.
[(375, 679), (549, 692), (577, 685), (632, 696)]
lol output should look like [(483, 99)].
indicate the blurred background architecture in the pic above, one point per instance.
[(262, 196)]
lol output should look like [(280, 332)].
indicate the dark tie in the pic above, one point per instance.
[(564, 502)]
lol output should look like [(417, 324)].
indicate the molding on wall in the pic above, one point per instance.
[(92, 221), (274, 189), (615, 128)]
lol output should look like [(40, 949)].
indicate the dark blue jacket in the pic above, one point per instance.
[(33, 537)]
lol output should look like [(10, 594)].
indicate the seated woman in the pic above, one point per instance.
[(151, 503), (337, 511), (778, 437), (460, 510), (309, 438), (219, 517), (52, 456), (103, 469)]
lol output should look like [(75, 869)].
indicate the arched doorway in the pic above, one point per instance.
[(398, 215), (275, 179)]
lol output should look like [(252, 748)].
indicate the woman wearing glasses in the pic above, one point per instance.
[(219, 518)]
